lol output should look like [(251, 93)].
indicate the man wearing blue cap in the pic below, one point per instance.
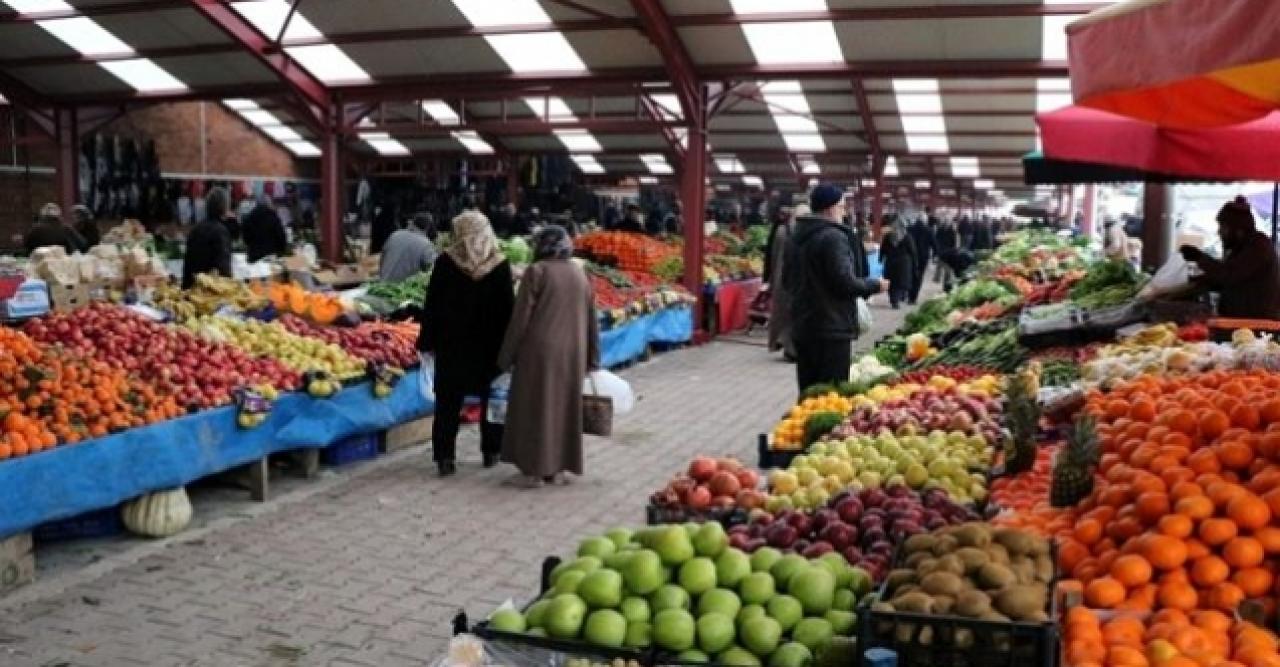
[(821, 274)]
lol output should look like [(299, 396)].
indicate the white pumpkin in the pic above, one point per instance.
[(159, 514)]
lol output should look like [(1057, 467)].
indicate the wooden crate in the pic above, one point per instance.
[(407, 434), (17, 562)]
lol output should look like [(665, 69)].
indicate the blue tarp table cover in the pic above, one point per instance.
[(629, 341), (70, 480)]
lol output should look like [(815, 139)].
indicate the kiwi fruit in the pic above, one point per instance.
[(994, 576), (945, 544), (973, 535), (941, 583), (898, 578), (973, 558), (1020, 602), (919, 542), (972, 604), (951, 563), (914, 602)]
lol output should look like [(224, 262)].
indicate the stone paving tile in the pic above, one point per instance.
[(371, 570)]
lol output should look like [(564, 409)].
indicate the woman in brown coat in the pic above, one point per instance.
[(551, 344)]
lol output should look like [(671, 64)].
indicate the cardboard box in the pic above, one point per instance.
[(408, 434), (342, 274), (30, 300), (17, 562), (68, 296)]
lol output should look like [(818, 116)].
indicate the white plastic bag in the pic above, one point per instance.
[(604, 383), (427, 376), (864, 315), (1171, 280), (499, 394)]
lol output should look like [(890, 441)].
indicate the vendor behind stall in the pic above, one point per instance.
[(209, 242), (408, 251), (1247, 277)]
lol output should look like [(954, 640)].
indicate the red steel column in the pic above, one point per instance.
[(1157, 225), (331, 195), (68, 162), (693, 199)]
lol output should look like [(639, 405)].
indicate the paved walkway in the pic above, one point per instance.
[(368, 568)]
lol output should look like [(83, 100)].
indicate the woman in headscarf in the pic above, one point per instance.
[(551, 344), (898, 253), (468, 305), (780, 304)]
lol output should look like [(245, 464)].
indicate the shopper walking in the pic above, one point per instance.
[(209, 242), (964, 229), (408, 251), (898, 257), (922, 239), (551, 344), (466, 312), (821, 275), (263, 232), (945, 242), (775, 261), (984, 236)]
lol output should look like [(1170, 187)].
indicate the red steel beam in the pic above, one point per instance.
[(868, 120), (916, 12), (296, 78), (608, 125), (679, 66), (100, 9)]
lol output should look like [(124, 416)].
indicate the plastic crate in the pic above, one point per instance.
[(725, 516), (98, 523), (352, 449), (774, 458)]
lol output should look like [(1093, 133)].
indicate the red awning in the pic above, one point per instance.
[(1250, 151), (1179, 63)]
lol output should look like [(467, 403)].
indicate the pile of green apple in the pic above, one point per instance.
[(937, 460), (683, 590)]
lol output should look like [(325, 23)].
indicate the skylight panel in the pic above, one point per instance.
[(85, 35), (268, 16), (924, 125), (796, 42), (1052, 94), (550, 109), (984, 184), (772, 6), (1053, 40), (656, 163), (648, 180), (728, 164), (588, 164), (38, 6), (537, 52), (868, 182), (668, 106), (891, 166), (964, 167), (260, 117), (809, 167), (920, 111), (922, 185), (578, 141), (804, 142), (241, 104), (3, 100), (144, 75), (441, 112), (281, 133), (488, 13), (753, 181), (470, 139), (928, 143), (788, 105), (384, 144), (302, 148), (328, 63)]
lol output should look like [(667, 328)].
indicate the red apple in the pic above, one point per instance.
[(702, 468), (699, 497), (724, 483)]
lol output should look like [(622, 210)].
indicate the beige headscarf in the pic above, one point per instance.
[(474, 247)]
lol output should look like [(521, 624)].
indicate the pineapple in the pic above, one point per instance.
[(1022, 419), (1073, 466)]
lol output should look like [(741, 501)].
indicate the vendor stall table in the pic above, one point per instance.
[(630, 341), (732, 299), (75, 479)]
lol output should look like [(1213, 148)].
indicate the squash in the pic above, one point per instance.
[(159, 514), (325, 309)]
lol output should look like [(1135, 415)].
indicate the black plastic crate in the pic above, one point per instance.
[(98, 523), (355, 448), (774, 458), (726, 516)]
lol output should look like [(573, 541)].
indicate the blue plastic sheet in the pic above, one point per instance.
[(68, 481), (630, 341)]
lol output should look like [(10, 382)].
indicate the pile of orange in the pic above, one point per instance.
[(1167, 638), (1024, 492), (49, 397)]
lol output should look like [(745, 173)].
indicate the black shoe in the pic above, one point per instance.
[(447, 468), (789, 358), (490, 460)]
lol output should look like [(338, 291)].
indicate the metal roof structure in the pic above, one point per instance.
[(930, 94)]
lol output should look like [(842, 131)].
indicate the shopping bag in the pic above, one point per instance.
[(427, 377), (597, 411), (499, 394), (1171, 280), (604, 383), (864, 315)]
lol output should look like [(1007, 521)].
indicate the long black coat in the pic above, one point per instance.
[(922, 239), (264, 234), (208, 251), (899, 259), (463, 324)]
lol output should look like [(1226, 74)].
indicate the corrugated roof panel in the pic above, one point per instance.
[(460, 55), (77, 79), (339, 16), (717, 45), (163, 28), (231, 69), (607, 49)]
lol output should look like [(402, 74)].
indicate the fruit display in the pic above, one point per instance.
[(196, 372), (293, 298), (273, 340), (209, 294), (684, 591), (630, 252), (709, 483), (410, 290), (1107, 283), (863, 526), (1168, 637), (367, 342), (789, 434)]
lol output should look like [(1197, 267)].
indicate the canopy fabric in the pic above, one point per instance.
[(1179, 63), (1250, 151), (1040, 170)]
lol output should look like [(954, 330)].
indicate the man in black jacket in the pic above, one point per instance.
[(945, 241), (263, 232), (821, 274), (922, 235)]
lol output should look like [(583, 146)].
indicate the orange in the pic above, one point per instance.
[(1164, 552), (1104, 593), (1234, 454), (1195, 507), (1213, 423), (1211, 620), (1249, 511), (1214, 532), (1178, 596), (1254, 581), (1184, 489), (1174, 525), (1269, 538), (1204, 461), (1088, 531), (1246, 416), (1225, 597), (1131, 570), (1209, 570), (1152, 506), (1243, 553)]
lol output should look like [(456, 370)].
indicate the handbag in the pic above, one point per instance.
[(597, 412)]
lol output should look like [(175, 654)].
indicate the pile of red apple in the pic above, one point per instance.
[(362, 342), (865, 527), (927, 410), (712, 483), (197, 372)]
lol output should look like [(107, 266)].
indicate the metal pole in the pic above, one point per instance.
[(331, 195), (693, 195), (1275, 204), (68, 162)]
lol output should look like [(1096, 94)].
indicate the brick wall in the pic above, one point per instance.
[(231, 147)]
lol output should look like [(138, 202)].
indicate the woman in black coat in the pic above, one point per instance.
[(898, 255), (464, 319)]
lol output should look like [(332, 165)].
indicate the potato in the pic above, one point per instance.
[(973, 558), (945, 545), (914, 602), (1020, 602), (994, 576), (973, 535), (919, 542), (994, 615), (972, 604), (941, 583), (905, 633), (904, 589)]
